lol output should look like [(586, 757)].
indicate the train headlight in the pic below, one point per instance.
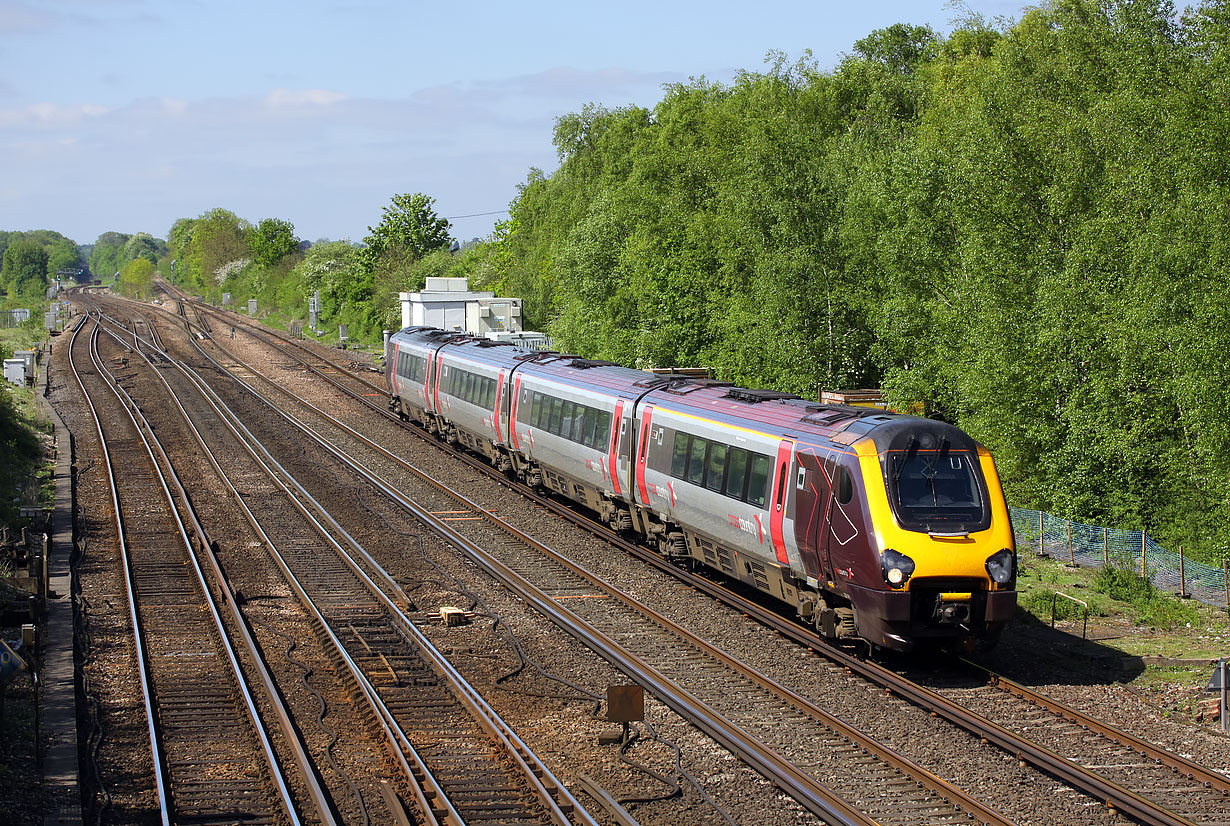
[(1001, 566), (898, 568)]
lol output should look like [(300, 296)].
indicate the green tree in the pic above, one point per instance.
[(272, 240), (202, 246), (136, 279), (24, 270), (901, 47), (142, 245), (107, 256), (408, 225)]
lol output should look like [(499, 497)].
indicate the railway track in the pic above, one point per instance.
[(212, 758), (848, 779), (1126, 774), (462, 763)]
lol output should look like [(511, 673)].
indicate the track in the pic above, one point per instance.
[(754, 717), (213, 761), (463, 764), (1147, 783)]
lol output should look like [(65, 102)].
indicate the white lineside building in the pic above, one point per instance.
[(448, 303)]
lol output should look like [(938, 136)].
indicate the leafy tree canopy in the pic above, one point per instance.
[(409, 225), (24, 270), (272, 240)]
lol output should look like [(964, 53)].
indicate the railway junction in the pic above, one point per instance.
[(293, 608)]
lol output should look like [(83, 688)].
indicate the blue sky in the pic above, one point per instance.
[(126, 115)]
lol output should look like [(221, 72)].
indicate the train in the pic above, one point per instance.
[(873, 526)]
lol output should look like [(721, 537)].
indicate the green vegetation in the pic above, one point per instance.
[(1109, 592), (115, 250), (21, 420), (31, 261), (1019, 226), (219, 252)]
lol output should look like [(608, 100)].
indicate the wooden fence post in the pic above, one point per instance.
[(1182, 576), (1143, 571), (1071, 553), (1105, 555)]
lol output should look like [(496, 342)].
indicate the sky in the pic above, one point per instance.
[(126, 115)]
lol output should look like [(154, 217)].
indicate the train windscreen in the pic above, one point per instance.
[(936, 491)]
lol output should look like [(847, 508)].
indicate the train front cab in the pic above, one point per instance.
[(947, 557)]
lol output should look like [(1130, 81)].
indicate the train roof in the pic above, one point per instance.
[(789, 415)]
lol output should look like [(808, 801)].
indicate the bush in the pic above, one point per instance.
[(1124, 585), (1149, 605)]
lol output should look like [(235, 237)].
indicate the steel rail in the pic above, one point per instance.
[(442, 813), (1113, 795), (768, 763), (1192, 770), (275, 772), (536, 774), (304, 763), (143, 668)]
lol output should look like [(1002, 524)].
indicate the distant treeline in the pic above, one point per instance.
[(29, 262), (1020, 225)]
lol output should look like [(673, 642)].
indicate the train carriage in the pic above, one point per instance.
[(870, 524), (573, 430)]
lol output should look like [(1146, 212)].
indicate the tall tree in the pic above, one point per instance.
[(272, 240), (24, 270), (408, 225)]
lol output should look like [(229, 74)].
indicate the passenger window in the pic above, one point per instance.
[(578, 424), (565, 423), (758, 480), (845, 487), (557, 407), (736, 478), (491, 394), (679, 459), (603, 436), (591, 427), (715, 474), (696, 460)]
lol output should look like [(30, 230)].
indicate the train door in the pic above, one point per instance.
[(392, 368), (781, 496), (500, 414), (613, 455), (429, 381), (642, 454), (813, 490), (839, 556), (514, 411)]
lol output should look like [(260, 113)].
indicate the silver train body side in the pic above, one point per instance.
[(875, 525)]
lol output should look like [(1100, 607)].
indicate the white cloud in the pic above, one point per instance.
[(49, 115), (317, 157), (21, 18), (303, 97)]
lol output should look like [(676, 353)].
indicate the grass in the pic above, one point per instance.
[(1129, 614), (1151, 622), (25, 475)]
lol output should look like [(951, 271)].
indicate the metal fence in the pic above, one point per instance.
[(13, 318), (1094, 546)]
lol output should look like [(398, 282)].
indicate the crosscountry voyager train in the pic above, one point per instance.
[(872, 525)]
